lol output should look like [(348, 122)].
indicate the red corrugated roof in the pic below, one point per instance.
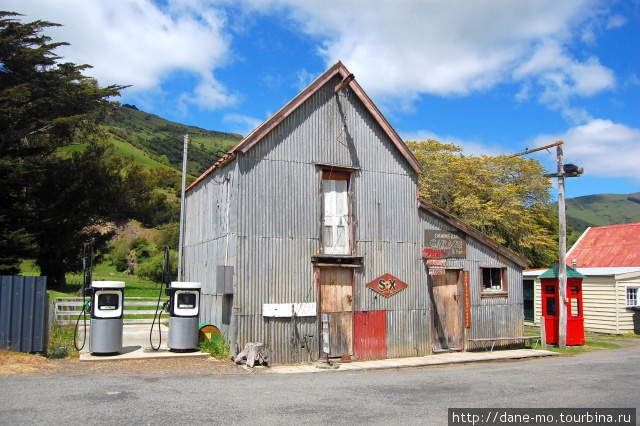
[(607, 246)]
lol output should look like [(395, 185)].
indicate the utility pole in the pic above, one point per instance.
[(571, 171), (184, 177), (562, 248)]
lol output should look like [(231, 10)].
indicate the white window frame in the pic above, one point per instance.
[(637, 298), (336, 226)]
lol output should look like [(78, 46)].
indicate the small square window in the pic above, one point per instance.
[(632, 296), (493, 279)]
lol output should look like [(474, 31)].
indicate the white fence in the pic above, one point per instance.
[(137, 310)]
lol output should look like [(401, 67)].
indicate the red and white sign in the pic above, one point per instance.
[(437, 262), (436, 271), (387, 285)]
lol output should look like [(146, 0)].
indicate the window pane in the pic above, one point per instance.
[(632, 296), (328, 236), (492, 278), (341, 237), (575, 307), (551, 307), (549, 289)]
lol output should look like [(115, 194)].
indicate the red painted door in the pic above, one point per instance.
[(370, 334)]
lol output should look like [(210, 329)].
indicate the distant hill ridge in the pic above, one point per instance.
[(602, 209), (162, 139)]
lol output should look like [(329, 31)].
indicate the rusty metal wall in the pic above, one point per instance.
[(24, 314), (495, 316)]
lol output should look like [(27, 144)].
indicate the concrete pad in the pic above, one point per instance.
[(136, 344)]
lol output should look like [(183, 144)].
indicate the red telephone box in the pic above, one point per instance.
[(573, 301)]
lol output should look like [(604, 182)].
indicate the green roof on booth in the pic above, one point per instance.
[(553, 272)]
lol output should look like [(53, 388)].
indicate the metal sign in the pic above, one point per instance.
[(444, 244), (325, 333), (437, 262), (437, 271), (387, 285)]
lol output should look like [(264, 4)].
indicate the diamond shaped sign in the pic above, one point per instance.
[(387, 285)]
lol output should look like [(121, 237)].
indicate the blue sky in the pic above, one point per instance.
[(492, 76)]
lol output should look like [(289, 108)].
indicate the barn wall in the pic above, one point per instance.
[(279, 222), (210, 239)]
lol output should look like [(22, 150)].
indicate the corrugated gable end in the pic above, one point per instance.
[(457, 223), (262, 130)]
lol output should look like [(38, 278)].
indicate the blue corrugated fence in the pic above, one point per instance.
[(23, 313)]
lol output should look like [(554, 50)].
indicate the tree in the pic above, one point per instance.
[(43, 103), (506, 198), (53, 202)]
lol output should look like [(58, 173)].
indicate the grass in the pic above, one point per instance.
[(61, 342), (217, 347), (593, 341)]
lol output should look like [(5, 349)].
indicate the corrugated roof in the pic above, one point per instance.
[(337, 69), (607, 246)]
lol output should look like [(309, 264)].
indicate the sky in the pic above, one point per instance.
[(490, 76)]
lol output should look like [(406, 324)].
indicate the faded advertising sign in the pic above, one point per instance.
[(387, 285), (444, 244)]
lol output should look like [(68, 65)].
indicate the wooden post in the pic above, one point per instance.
[(543, 334), (562, 248)]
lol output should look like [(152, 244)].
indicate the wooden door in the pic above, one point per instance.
[(336, 301), (447, 302)]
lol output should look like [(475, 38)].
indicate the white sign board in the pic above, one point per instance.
[(286, 310), (325, 334)]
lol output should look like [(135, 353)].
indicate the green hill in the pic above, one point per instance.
[(602, 209), (154, 141)]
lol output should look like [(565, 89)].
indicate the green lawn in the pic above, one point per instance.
[(133, 286)]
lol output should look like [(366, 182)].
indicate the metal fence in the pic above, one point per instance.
[(24, 305)]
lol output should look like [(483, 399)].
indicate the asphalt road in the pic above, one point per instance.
[(607, 378)]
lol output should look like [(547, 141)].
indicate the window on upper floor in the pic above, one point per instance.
[(336, 229)]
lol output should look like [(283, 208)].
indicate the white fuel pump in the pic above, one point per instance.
[(184, 310), (107, 300)]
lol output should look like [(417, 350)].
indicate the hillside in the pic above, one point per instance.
[(600, 210), (155, 141)]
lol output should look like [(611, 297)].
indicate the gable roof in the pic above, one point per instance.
[(471, 231), (607, 246), (348, 80), (554, 272)]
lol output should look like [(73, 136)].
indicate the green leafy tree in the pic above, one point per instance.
[(52, 202), (506, 198)]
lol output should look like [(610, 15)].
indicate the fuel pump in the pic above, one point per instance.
[(107, 317), (184, 310)]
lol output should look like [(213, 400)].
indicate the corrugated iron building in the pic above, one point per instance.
[(312, 220)]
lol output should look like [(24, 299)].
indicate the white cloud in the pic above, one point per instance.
[(400, 50), (242, 124), (134, 42), (604, 148)]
